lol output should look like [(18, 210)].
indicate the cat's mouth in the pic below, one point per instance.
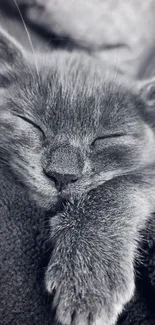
[(47, 195), (87, 183), (51, 196)]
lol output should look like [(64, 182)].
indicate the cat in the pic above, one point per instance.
[(72, 133)]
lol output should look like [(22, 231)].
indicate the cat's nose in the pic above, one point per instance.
[(62, 180), (64, 165)]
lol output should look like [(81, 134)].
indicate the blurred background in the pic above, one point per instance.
[(119, 32)]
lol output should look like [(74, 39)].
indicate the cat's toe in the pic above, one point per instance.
[(68, 308)]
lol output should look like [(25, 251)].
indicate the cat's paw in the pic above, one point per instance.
[(89, 285), (81, 299), (86, 306)]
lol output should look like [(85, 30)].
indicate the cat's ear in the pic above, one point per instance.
[(146, 90), (11, 56)]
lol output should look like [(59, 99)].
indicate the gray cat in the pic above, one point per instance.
[(74, 135)]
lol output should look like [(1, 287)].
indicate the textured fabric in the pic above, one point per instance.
[(23, 237)]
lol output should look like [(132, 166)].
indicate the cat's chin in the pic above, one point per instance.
[(87, 183), (49, 196), (48, 202), (81, 187)]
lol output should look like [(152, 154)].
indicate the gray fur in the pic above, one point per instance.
[(92, 265), (69, 132)]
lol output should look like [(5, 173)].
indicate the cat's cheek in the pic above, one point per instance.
[(44, 193), (29, 170), (45, 202)]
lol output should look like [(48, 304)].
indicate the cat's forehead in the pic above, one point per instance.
[(71, 95)]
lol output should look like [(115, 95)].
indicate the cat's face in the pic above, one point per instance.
[(70, 128)]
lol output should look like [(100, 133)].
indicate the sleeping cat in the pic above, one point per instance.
[(72, 134)]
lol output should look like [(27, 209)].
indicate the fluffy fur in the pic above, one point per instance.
[(71, 134)]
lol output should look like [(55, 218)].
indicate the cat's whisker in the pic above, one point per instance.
[(28, 35)]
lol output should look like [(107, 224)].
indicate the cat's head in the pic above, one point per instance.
[(68, 126)]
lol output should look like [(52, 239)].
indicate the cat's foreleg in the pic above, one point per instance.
[(95, 243)]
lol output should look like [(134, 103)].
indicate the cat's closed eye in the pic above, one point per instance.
[(100, 142), (34, 124)]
